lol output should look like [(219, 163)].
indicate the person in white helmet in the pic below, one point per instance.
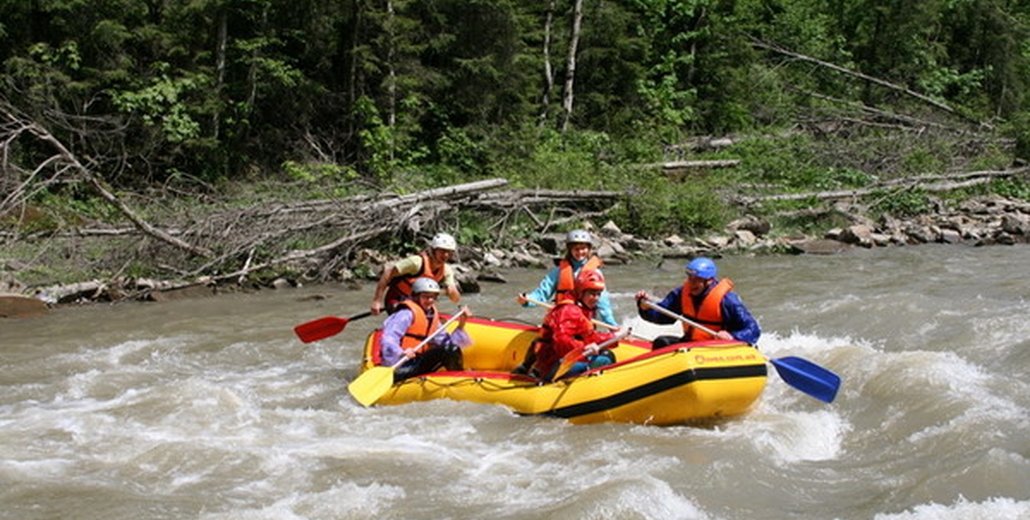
[(561, 279), (395, 282), (414, 319)]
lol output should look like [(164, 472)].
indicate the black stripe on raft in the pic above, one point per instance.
[(657, 387)]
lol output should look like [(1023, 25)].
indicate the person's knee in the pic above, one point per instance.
[(664, 341), (452, 357), (603, 358)]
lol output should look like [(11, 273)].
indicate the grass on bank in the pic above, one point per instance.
[(700, 203)]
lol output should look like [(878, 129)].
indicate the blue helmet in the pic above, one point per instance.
[(702, 267)]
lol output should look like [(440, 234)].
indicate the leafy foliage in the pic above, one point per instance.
[(409, 94)]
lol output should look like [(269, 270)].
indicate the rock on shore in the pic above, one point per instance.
[(977, 222)]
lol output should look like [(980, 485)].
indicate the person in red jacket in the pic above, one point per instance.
[(568, 330)]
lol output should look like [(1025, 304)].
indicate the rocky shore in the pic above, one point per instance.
[(979, 222), (976, 222)]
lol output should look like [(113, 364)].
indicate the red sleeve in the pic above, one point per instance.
[(569, 325)]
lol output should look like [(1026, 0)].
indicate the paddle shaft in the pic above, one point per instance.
[(549, 306), (376, 381), (569, 363), (799, 373), (422, 343), (614, 339), (684, 319)]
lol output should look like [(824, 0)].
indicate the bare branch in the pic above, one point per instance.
[(71, 161), (883, 83)]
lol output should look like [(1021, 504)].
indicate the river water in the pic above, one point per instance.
[(211, 409)]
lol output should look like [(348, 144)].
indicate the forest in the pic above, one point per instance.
[(184, 119)]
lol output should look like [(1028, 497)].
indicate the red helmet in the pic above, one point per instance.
[(590, 279)]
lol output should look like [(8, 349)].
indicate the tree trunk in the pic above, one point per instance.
[(570, 71), (545, 99), (352, 87), (223, 37), (391, 75)]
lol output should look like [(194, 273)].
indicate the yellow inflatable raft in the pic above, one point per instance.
[(675, 385)]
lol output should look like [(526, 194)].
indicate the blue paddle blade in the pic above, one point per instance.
[(808, 377)]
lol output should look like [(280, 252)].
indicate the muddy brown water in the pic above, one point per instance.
[(210, 408)]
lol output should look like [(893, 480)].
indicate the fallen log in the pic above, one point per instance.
[(865, 77), (931, 183), (89, 290), (699, 164)]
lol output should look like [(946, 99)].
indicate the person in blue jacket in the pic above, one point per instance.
[(704, 299), (560, 280)]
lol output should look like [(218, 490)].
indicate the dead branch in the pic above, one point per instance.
[(865, 77), (931, 183), (241, 232), (883, 114), (698, 164), (70, 160), (515, 199)]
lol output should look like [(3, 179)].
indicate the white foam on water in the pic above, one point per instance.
[(42, 469), (627, 497), (789, 437), (992, 509), (344, 500), (204, 424)]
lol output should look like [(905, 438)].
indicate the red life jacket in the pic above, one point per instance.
[(567, 279), (710, 312), (422, 325), (400, 287)]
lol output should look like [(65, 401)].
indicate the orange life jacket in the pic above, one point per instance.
[(422, 325), (567, 279), (710, 312), (400, 287)]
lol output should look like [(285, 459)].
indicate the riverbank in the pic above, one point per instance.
[(982, 221)]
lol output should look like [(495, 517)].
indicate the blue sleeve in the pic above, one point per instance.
[(545, 291), (671, 302), (738, 320), (604, 309)]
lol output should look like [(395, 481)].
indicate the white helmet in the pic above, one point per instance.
[(579, 236), (444, 241), (424, 284)]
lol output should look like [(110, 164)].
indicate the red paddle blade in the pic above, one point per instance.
[(324, 327), (568, 362), (321, 328)]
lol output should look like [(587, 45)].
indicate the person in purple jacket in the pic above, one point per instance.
[(704, 299), (415, 320)]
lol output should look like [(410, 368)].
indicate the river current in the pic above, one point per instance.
[(211, 409)]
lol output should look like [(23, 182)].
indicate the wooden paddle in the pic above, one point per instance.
[(322, 328), (799, 373), (572, 357), (376, 381)]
